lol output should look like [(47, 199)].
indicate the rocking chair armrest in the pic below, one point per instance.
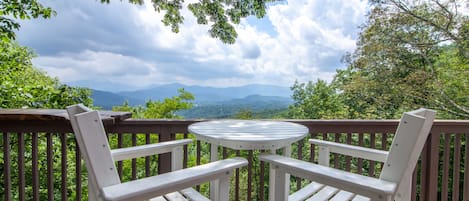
[(150, 187), (147, 150), (351, 150), (355, 183)]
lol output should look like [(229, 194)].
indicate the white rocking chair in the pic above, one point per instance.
[(104, 182), (328, 183)]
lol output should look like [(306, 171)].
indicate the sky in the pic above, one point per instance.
[(121, 46)]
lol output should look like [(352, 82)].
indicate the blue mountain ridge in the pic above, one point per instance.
[(247, 94)]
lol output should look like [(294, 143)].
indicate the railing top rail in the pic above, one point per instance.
[(54, 114), (54, 120)]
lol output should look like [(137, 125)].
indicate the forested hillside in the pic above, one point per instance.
[(409, 54), (259, 106), (24, 86)]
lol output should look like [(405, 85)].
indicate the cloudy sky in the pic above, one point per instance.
[(120, 46)]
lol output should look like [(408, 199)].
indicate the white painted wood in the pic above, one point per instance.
[(104, 181), (406, 147), (342, 195), (323, 156), (272, 178), (350, 150), (147, 150), (223, 189), (160, 198), (175, 196), (177, 155), (249, 134), (279, 186), (360, 198), (194, 195), (395, 179), (92, 190), (305, 192), (363, 185), (214, 191), (181, 179), (404, 190), (324, 194), (287, 153), (89, 130)]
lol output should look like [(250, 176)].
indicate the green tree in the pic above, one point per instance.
[(160, 109), (409, 54), (244, 114), (22, 10), (23, 86), (317, 100), (221, 14)]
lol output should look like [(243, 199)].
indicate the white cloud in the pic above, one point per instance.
[(91, 65), (125, 43)]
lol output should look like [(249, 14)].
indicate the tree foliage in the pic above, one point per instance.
[(221, 14), (19, 9), (409, 54), (317, 100), (23, 86), (160, 109)]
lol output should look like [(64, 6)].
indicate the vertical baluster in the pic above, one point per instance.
[(348, 159), (6, 163), (384, 144), (63, 139), (261, 180), (384, 141), (238, 153), (134, 161), (50, 167), (199, 148), (311, 148), (456, 167), (360, 160), (78, 173), (424, 158), (119, 163), (185, 158), (336, 155), (446, 163), (300, 157), (250, 161), (466, 168), (21, 182), (164, 160), (371, 171), (35, 167), (224, 152), (147, 158)]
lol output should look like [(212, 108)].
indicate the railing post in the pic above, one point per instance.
[(432, 165), (164, 160), (6, 169)]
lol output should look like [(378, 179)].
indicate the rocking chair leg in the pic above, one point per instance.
[(224, 189), (214, 185)]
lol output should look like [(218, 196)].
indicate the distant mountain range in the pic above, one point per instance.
[(260, 106), (255, 94)]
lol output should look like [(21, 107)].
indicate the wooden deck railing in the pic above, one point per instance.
[(40, 160)]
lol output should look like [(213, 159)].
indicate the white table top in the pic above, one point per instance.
[(249, 134)]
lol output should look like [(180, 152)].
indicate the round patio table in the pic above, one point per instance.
[(248, 135)]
